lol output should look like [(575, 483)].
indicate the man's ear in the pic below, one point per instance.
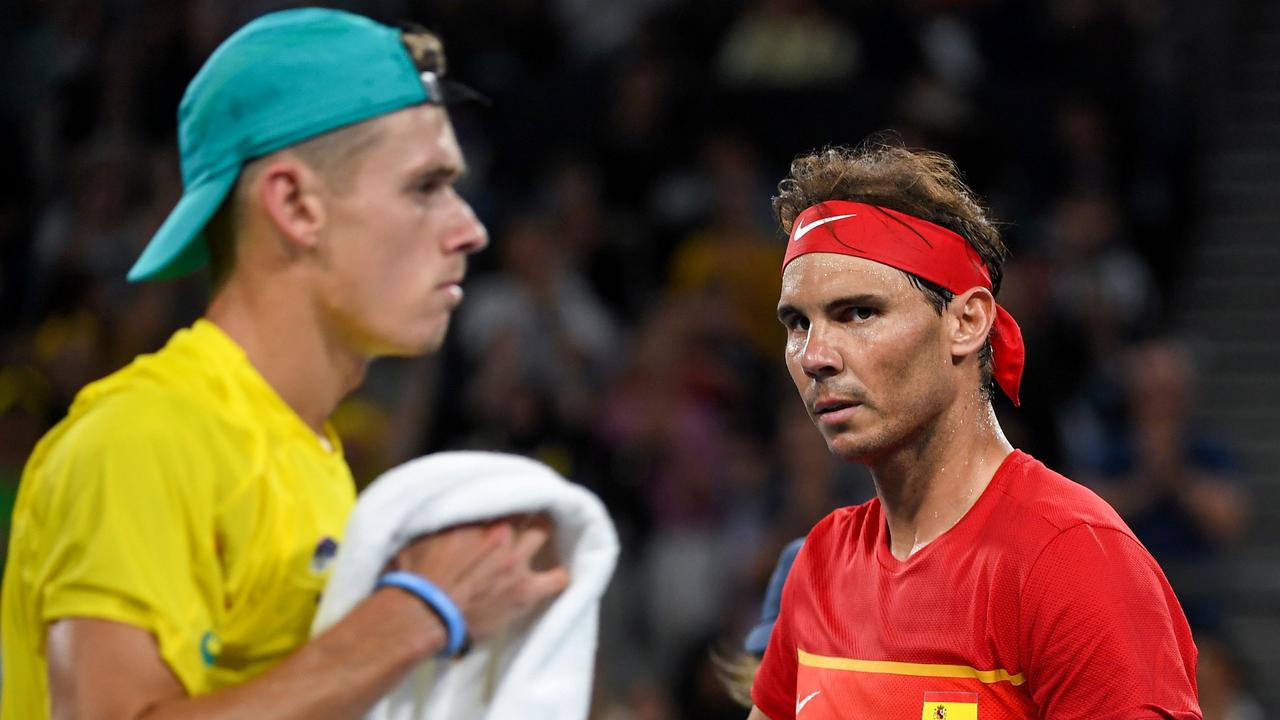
[(292, 195), (971, 314)]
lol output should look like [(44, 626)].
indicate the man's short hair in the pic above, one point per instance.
[(331, 155)]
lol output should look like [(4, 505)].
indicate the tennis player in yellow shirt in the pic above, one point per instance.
[(171, 534)]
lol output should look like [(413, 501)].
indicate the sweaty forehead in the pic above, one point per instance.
[(818, 277)]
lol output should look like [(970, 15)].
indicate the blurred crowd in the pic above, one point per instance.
[(622, 326)]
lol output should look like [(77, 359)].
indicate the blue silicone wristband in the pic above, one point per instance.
[(436, 599)]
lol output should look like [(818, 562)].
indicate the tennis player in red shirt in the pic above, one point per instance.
[(977, 583)]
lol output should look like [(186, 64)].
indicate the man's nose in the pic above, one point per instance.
[(466, 234), (819, 358)]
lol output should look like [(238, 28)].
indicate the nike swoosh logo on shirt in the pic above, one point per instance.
[(800, 705), (802, 230)]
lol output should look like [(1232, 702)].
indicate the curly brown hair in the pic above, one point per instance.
[(922, 183)]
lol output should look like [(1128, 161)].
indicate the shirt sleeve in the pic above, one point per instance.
[(1103, 635), (130, 497)]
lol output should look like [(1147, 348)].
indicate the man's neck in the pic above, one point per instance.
[(928, 486), (286, 343)]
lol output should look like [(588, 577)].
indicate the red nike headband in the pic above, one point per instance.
[(916, 246)]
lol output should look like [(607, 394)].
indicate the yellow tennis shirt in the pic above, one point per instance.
[(180, 495)]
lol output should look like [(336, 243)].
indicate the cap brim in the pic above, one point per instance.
[(178, 247)]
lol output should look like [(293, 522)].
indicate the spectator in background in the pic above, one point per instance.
[(598, 238), (542, 312), (787, 44), (541, 347), (91, 225), (1099, 279), (732, 260), (1172, 482)]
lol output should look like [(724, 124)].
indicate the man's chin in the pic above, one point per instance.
[(852, 448), (431, 343), (425, 342)]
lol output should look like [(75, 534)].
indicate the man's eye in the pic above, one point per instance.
[(796, 323), (860, 314)]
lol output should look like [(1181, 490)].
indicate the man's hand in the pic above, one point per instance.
[(488, 570)]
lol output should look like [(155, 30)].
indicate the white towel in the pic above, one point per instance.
[(542, 667)]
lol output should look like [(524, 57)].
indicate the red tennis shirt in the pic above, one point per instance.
[(1039, 603)]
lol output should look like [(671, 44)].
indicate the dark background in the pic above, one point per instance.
[(621, 325)]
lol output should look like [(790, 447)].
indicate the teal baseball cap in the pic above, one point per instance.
[(281, 79)]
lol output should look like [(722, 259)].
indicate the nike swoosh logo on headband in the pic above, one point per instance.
[(802, 230)]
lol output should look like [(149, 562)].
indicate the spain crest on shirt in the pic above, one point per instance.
[(950, 706)]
